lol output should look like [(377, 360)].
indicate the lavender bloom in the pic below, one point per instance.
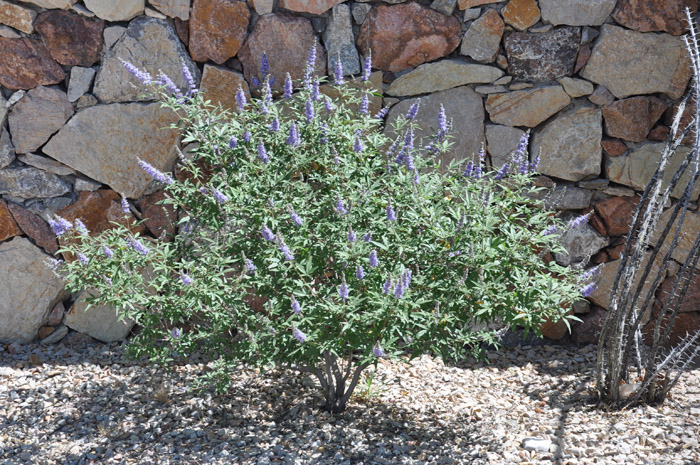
[(550, 230), (360, 272), (309, 111), (186, 280), (107, 251), (232, 142), (175, 333), (296, 308), (340, 207), (406, 278), (138, 246), (83, 259), (264, 64), (442, 123), (154, 173), (240, 98), (143, 76), (296, 218), (246, 136), (336, 157), (367, 68), (275, 125), (503, 172), (203, 190), (338, 72), (249, 266), (364, 105), (343, 291), (189, 79), (219, 196), (367, 237), (377, 350), (351, 235), (169, 84), (357, 146), (413, 111), (388, 284), (373, 260), (267, 233), (315, 90), (293, 138), (381, 113), (390, 213), (579, 221), (588, 289), (255, 81), (409, 162), (469, 169), (399, 290), (262, 153), (60, 225), (298, 335), (328, 105), (125, 205), (288, 86), (288, 255), (80, 226), (590, 274), (310, 65), (535, 164), (324, 131)]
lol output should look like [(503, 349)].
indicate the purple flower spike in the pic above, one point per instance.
[(579, 221), (219, 196), (590, 274), (298, 335), (360, 272), (143, 76), (262, 153), (381, 113), (311, 61), (275, 125), (328, 104), (399, 290), (406, 278), (125, 206), (550, 230), (388, 284), (80, 226), (377, 350), (267, 233), (138, 246), (189, 79), (390, 213), (442, 123), (246, 136), (364, 105), (588, 289), (351, 235), (296, 218), (163, 79), (249, 266), (240, 98), (367, 237), (175, 333), (340, 206), (343, 291), (288, 255), (293, 138), (309, 111), (83, 259), (413, 111), (315, 90), (357, 146), (338, 72), (60, 225), (255, 81), (232, 142), (288, 86), (367, 68), (373, 260), (154, 173), (264, 64), (186, 280), (296, 308), (503, 172), (107, 251)]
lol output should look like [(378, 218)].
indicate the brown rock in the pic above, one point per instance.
[(8, 226), (613, 147), (45, 331), (632, 118), (584, 53), (600, 257), (286, 40), (220, 85), (315, 7), (27, 63), (686, 120), (659, 133), (554, 330), (159, 219), (35, 228), (97, 210), (691, 300), (483, 39), (544, 56), (654, 15), (596, 222), (407, 35), (684, 324), (217, 29), (72, 39), (521, 14), (182, 29), (17, 16), (617, 248), (588, 330), (56, 315), (617, 213), (466, 4), (527, 107)]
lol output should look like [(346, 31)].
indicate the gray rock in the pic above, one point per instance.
[(634, 63), (105, 143), (112, 34), (8, 32), (29, 290), (442, 75), (14, 98), (80, 82), (27, 182), (595, 184), (3, 109), (483, 38), (100, 321), (526, 107), (568, 197), (689, 232), (359, 12), (638, 166), (116, 10), (537, 444), (463, 108), (262, 7), (340, 42), (581, 243), (501, 142), (58, 334), (608, 271), (601, 96), (471, 13), (47, 208), (87, 100), (52, 4), (179, 8), (569, 145), (150, 44), (576, 12), (7, 150), (542, 57), (446, 7), (46, 164), (85, 184), (29, 132), (576, 87), (486, 90)]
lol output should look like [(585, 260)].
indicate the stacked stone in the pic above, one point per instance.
[(595, 81)]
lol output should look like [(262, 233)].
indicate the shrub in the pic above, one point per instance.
[(310, 240)]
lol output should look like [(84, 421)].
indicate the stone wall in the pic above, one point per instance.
[(595, 81)]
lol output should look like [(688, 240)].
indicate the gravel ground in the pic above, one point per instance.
[(88, 404)]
